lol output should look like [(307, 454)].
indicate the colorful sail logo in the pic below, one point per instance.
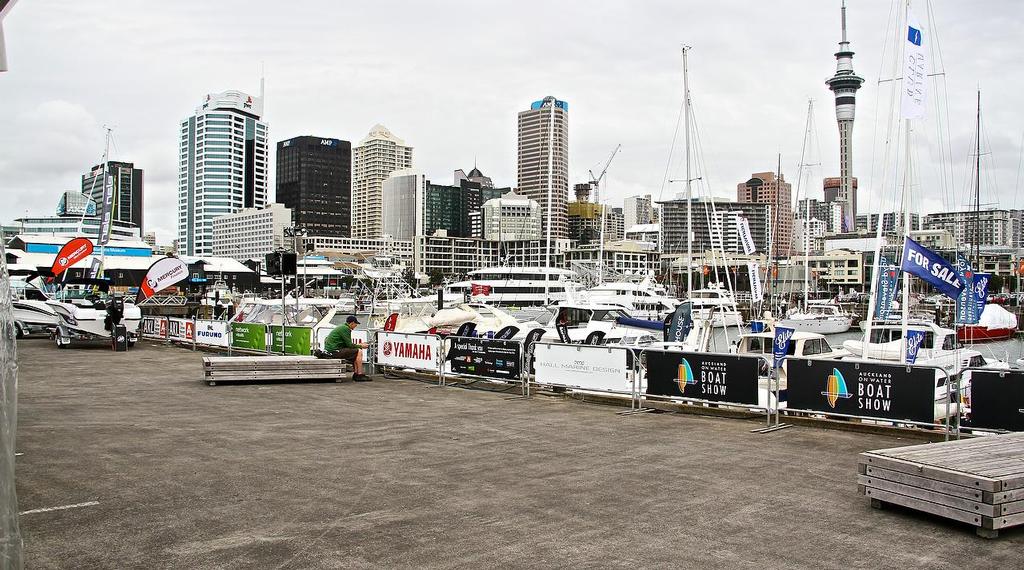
[(684, 375), (836, 388)]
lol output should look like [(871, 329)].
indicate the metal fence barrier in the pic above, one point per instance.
[(873, 391)]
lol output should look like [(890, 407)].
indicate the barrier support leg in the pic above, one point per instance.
[(772, 422), (636, 399)]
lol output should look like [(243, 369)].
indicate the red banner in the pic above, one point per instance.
[(391, 322), (475, 289), (74, 251)]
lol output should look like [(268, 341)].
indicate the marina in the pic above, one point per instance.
[(326, 351), (397, 472)]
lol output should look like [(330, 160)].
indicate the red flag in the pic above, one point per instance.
[(391, 322), (71, 253)]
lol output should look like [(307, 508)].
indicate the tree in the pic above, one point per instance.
[(436, 277)]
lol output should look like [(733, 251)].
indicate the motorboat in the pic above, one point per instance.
[(995, 323), (31, 313), (485, 318), (516, 286), (716, 305), (939, 347), (88, 312), (801, 345), (823, 317), (611, 324), (643, 299)]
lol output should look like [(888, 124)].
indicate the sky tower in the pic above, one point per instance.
[(844, 84)]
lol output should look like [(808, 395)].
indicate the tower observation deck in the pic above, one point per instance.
[(844, 85)]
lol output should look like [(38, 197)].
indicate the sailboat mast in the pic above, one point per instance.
[(977, 186), (689, 190), (906, 235), (807, 204), (550, 205)]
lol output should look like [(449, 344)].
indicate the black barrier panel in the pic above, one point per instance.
[(886, 391), (715, 377), (486, 357), (997, 400)]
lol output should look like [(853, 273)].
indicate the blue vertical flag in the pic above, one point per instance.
[(967, 312), (914, 339), (888, 276), (981, 290), (780, 346)]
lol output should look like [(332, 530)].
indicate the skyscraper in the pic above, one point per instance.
[(314, 180), (765, 188), (637, 210), (536, 153), (222, 166), (373, 160), (126, 180), (844, 84)]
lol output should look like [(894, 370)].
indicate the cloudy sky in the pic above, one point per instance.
[(449, 77)]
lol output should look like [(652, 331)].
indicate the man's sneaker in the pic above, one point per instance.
[(361, 378)]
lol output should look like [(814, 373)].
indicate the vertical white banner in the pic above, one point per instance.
[(915, 70), (754, 270), (743, 229)]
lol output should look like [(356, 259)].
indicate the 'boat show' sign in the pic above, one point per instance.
[(886, 391), (703, 376)]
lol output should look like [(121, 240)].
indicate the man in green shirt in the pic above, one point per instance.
[(339, 344)]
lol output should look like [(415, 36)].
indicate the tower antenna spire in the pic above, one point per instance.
[(844, 22)]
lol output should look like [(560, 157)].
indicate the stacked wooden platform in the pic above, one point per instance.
[(978, 481), (272, 368)]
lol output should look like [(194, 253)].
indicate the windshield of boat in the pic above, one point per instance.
[(763, 345), (884, 335)]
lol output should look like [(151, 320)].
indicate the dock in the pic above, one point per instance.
[(976, 481), (129, 460)]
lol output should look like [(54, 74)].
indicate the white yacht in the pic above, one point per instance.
[(516, 286), (939, 347), (717, 305), (801, 345), (823, 317), (643, 299)]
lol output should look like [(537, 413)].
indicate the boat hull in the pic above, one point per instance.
[(977, 333), (830, 325)]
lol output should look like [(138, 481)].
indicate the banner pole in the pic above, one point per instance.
[(195, 334)]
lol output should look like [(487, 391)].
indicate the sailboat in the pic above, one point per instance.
[(713, 304), (995, 322), (823, 317)]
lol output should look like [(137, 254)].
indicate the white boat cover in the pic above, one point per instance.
[(994, 316)]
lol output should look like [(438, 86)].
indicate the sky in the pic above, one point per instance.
[(449, 77)]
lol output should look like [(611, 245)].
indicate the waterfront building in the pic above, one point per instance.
[(373, 160), (314, 181), (545, 121), (985, 228), (765, 188), (222, 168), (512, 218), (126, 181), (251, 232), (637, 210)]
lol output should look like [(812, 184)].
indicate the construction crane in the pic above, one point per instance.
[(595, 181)]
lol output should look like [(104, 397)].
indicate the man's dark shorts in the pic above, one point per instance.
[(348, 354)]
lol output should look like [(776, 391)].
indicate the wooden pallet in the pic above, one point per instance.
[(272, 368), (978, 481)]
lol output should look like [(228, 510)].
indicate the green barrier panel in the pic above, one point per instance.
[(298, 340), (250, 336)]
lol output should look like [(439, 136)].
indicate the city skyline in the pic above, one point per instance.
[(621, 92)]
